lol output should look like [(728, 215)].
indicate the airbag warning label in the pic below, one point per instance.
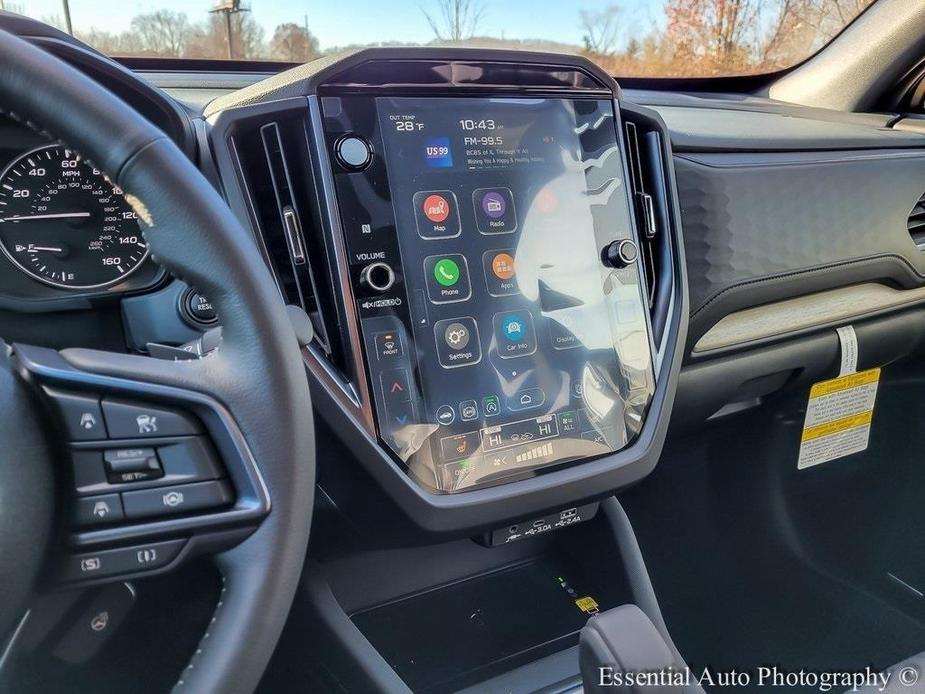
[(838, 417)]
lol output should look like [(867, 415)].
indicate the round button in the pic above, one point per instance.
[(378, 277), (353, 152), (456, 336), (436, 208), (446, 272), (619, 254), (446, 415), (198, 309), (503, 266)]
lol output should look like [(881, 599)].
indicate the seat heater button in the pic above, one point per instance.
[(97, 510), (170, 501), (127, 420), (114, 562), (81, 414)]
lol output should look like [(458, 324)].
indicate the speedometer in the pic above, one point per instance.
[(63, 223)]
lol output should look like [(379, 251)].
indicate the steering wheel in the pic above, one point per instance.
[(256, 374)]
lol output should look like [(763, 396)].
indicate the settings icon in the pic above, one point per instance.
[(456, 335)]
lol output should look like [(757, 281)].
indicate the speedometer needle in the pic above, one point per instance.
[(33, 249), (59, 215)]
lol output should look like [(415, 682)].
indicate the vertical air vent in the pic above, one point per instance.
[(916, 223), (645, 160)]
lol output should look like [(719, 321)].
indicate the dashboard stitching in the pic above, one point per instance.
[(795, 273), (202, 642)]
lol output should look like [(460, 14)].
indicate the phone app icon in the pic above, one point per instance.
[(436, 213), (447, 278), (446, 272)]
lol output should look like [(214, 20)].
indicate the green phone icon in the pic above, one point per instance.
[(446, 272)]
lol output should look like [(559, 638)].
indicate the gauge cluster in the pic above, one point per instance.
[(66, 232)]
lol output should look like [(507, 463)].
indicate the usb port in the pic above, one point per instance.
[(568, 513), (539, 523)]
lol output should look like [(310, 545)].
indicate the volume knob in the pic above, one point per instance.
[(377, 276)]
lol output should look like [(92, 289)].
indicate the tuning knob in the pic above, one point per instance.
[(619, 254)]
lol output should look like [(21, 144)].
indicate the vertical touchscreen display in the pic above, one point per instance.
[(524, 348)]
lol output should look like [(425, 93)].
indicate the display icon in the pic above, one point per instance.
[(494, 210), (436, 214)]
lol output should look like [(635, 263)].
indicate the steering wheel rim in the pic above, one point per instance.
[(257, 373)]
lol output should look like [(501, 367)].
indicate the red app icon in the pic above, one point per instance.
[(436, 208)]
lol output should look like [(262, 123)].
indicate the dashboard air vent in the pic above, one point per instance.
[(285, 229), (647, 181), (916, 223)]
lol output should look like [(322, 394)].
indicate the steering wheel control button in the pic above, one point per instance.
[(396, 385), (172, 501), (620, 254), (101, 614), (514, 334), (353, 152), (447, 278), (126, 420), (124, 560), (197, 309), (498, 267), (377, 277), (437, 214), (97, 510), (388, 345), (457, 342), (528, 399), (80, 413), (494, 210), (446, 415), (132, 464)]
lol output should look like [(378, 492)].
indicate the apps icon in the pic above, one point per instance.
[(498, 267), (514, 334), (436, 214), (437, 153), (447, 278), (457, 342), (494, 210)]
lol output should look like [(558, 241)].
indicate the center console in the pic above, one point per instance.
[(486, 242)]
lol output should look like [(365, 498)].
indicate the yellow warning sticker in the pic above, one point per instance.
[(838, 417), (588, 604)]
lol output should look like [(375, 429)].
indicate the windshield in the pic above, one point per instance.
[(658, 38)]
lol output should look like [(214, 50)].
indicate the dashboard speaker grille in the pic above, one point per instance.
[(916, 223)]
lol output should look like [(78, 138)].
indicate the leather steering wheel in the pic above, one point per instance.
[(256, 374)]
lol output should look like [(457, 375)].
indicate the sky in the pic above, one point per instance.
[(343, 22)]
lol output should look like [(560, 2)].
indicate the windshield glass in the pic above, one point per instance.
[(659, 38)]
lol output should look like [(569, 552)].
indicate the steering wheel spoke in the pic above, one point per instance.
[(152, 472)]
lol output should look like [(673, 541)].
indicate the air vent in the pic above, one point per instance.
[(645, 160), (286, 227), (916, 223)]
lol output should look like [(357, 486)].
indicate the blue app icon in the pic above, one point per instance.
[(437, 153), (513, 327)]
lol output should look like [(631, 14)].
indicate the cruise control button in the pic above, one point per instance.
[(81, 413), (127, 420), (96, 510), (113, 562), (457, 342), (132, 464), (170, 501)]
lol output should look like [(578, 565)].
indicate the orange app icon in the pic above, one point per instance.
[(503, 266)]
